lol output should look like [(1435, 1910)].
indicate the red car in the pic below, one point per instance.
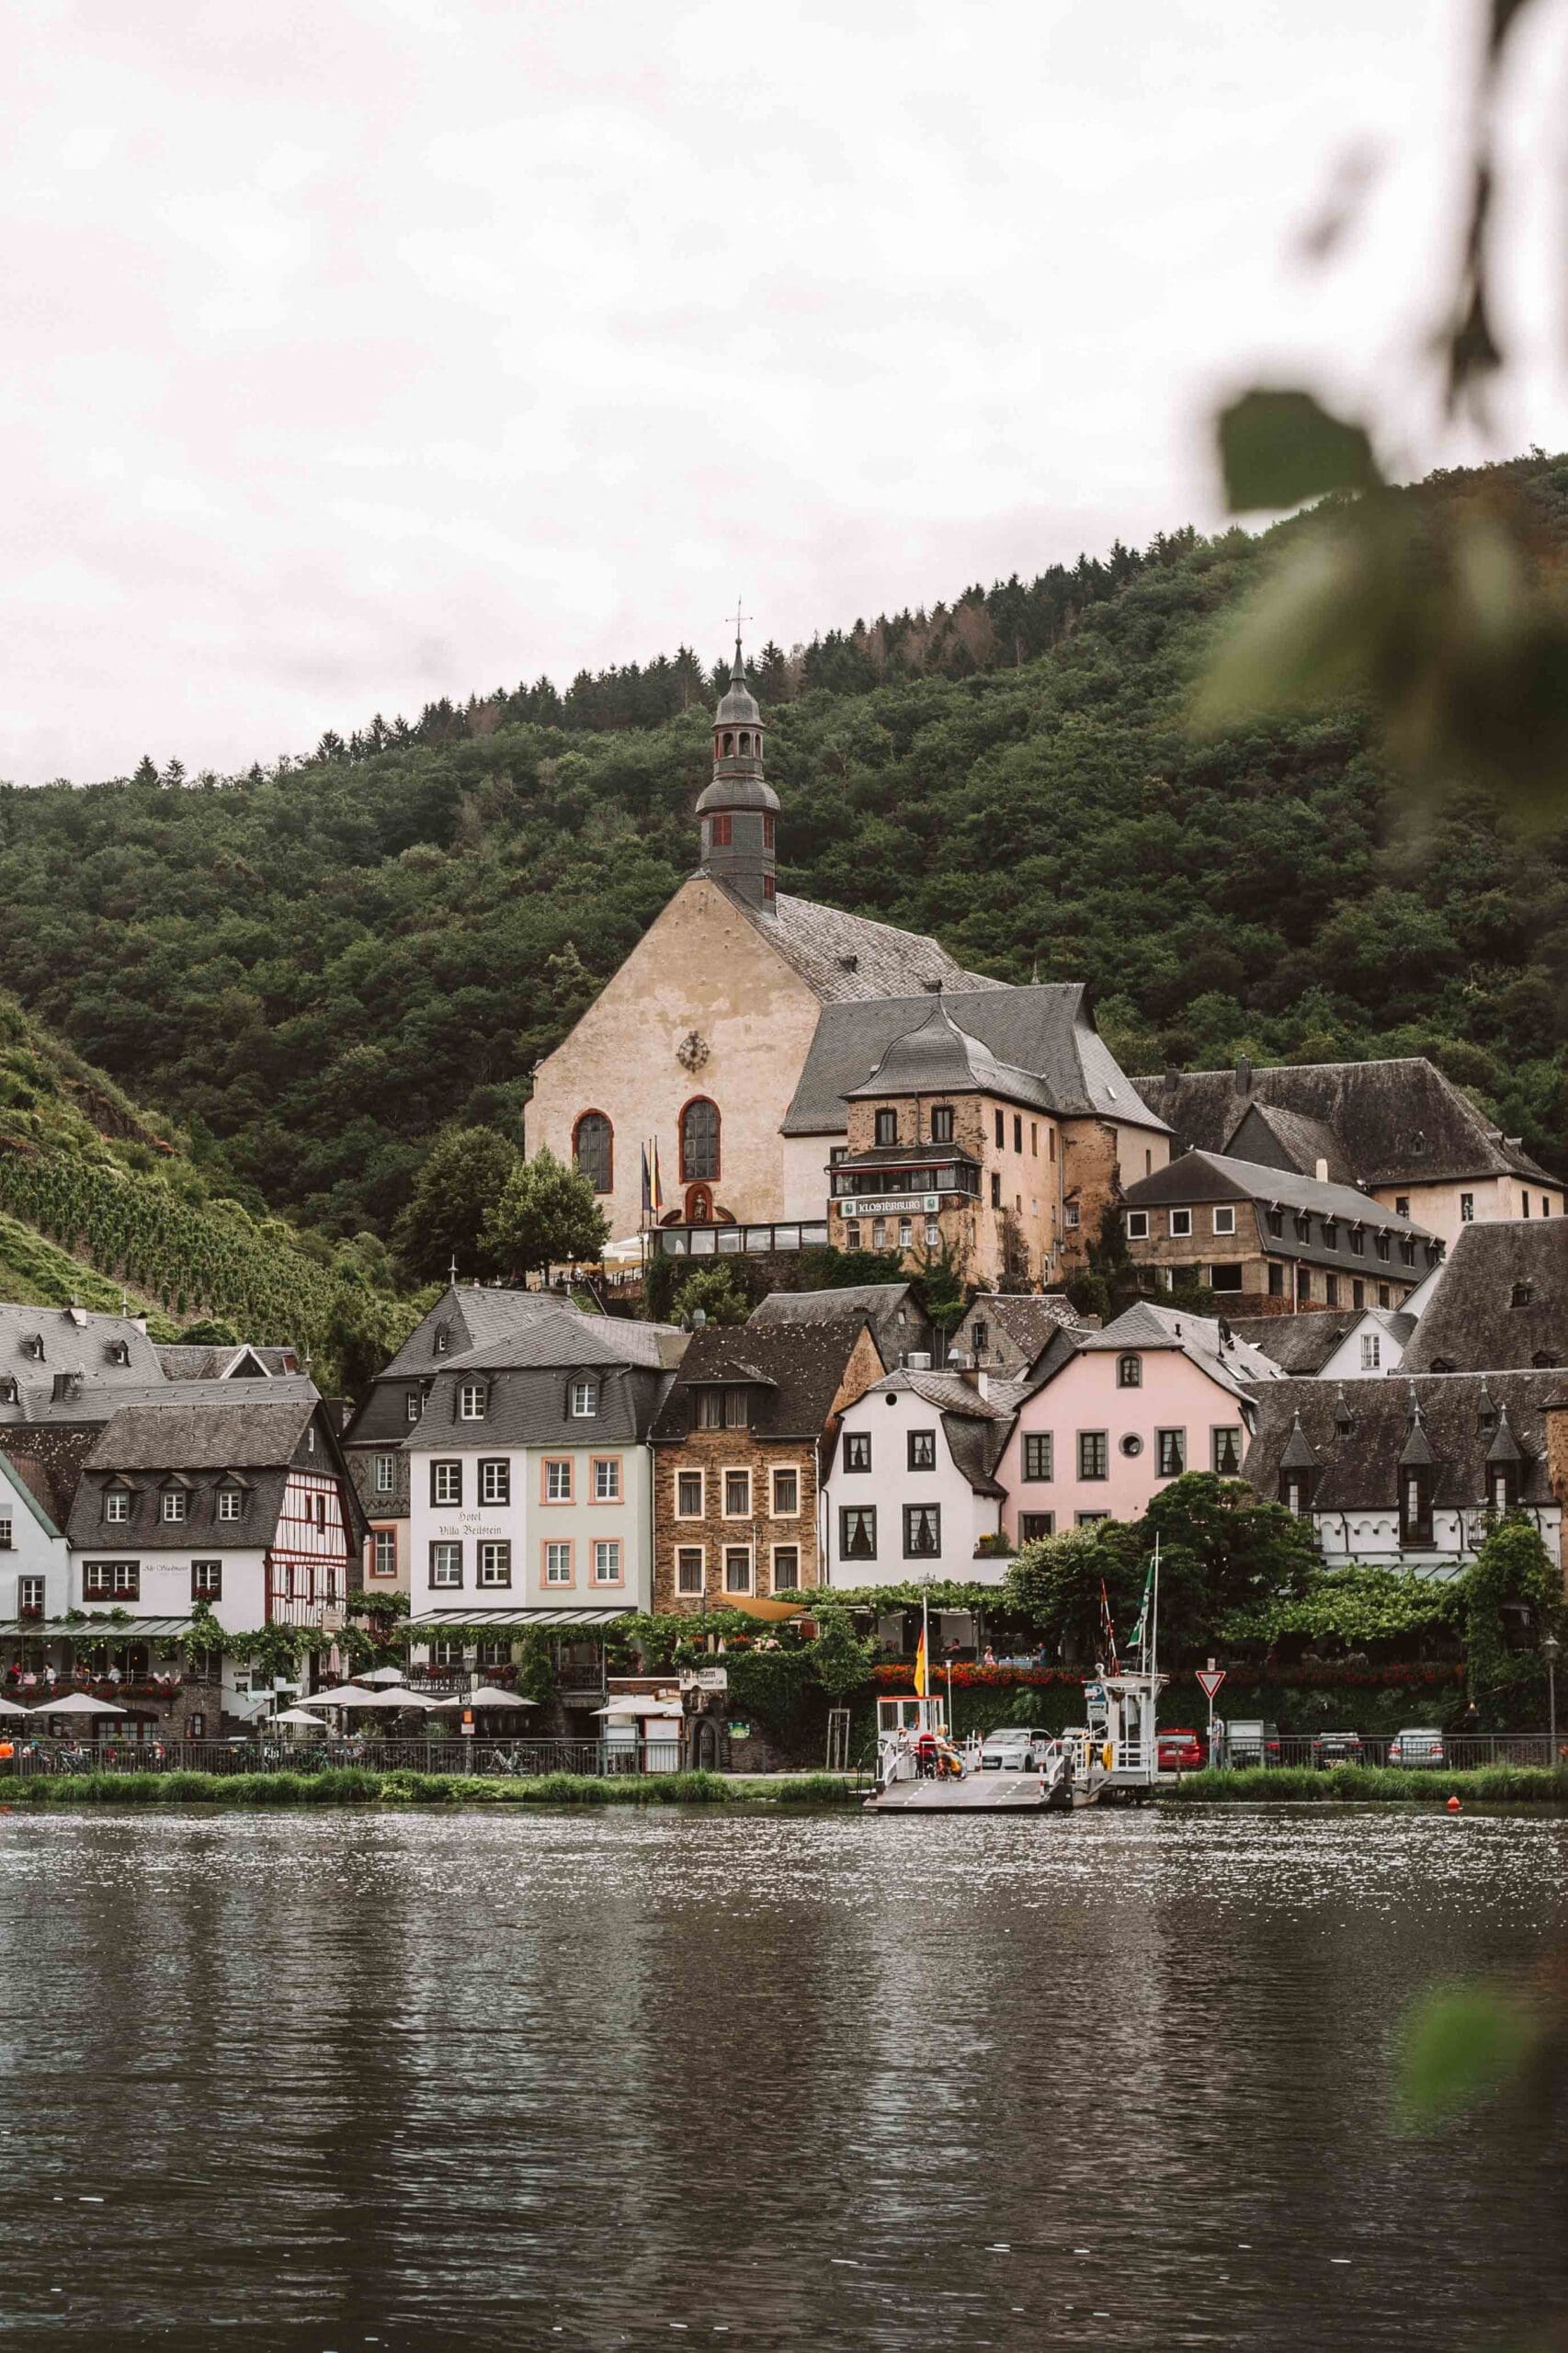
[(1180, 1752)]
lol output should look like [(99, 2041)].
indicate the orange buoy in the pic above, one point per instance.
[(1453, 1805)]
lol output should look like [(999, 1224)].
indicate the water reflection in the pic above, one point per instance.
[(501, 2082)]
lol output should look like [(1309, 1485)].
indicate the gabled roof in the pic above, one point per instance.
[(1215, 1177), (797, 1369), (898, 1322), (1030, 1319), (1046, 1032), (74, 1340), (252, 1433), (1277, 1138), (472, 1318), (1359, 1467), (234, 1363), (937, 1057), (97, 1403), (1399, 1122), (1299, 1344), (974, 1426), (843, 958), (1232, 1362), (530, 1405), (1499, 1302)]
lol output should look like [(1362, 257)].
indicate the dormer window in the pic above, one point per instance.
[(9, 1393), (415, 1405), (172, 1508), (585, 1400), (1415, 1505), (1521, 1295), (1303, 1226), (33, 1347), (120, 1352), (229, 1502), (443, 1340), (473, 1401), (1330, 1234), (1296, 1492), (1276, 1220), (1382, 1241), (117, 1506), (1504, 1480), (1358, 1243)]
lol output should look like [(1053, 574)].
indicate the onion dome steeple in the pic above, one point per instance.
[(738, 810)]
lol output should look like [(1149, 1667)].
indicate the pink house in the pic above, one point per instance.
[(1116, 1414)]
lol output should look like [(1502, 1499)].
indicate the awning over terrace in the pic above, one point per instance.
[(512, 1622), (95, 1628)]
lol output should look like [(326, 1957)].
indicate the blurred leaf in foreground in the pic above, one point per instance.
[(1461, 2043), (1279, 449), (1441, 613)]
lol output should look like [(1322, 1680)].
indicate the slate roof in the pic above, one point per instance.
[(74, 1340), (897, 1322), (843, 958), (1358, 1470), (938, 1058), (99, 1402), (257, 1438), (530, 1405), (472, 1318), (1299, 1344), (802, 1364), (1277, 1138), (1235, 1363), (182, 1363), (35, 1490), (537, 1329), (1046, 1032), (252, 1433), (1499, 1301), (1215, 1177), (1029, 1318), (1398, 1121)]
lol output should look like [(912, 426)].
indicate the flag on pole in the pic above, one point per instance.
[(921, 1677), (1108, 1627), (647, 1190), (658, 1188), (1139, 1633)]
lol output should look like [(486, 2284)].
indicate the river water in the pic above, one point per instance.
[(499, 2080)]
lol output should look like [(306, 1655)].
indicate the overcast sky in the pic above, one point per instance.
[(360, 351)]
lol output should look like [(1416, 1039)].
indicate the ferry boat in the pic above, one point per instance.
[(1112, 1757)]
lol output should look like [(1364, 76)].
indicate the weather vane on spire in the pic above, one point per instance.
[(739, 617)]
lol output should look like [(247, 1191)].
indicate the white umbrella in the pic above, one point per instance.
[(295, 1716), (487, 1695), (9, 1707), (634, 1707), (347, 1695), (383, 1675), (77, 1703)]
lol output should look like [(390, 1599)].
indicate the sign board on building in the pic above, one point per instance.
[(704, 1679), (895, 1205)]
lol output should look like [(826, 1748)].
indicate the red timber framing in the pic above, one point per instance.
[(307, 1561)]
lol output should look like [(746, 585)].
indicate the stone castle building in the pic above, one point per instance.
[(772, 1049)]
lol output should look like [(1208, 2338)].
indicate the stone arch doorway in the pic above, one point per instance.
[(704, 1744)]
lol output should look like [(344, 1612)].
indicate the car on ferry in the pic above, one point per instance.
[(1337, 1748), (1014, 1748)]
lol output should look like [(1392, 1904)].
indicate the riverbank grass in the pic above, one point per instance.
[(1370, 1785), (358, 1786)]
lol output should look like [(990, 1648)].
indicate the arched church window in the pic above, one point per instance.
[(700, 1141), (729, 745), (593, 1149), (745, 743)]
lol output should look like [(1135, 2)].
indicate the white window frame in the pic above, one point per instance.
[(380, 1537), (1371, 1351), (487, 1577), (606, 1547), (795, 1584), (553, 1463), (783, 1471), (558, 1568), (494, 1489), (1181, 1225), (1223, 1217), (734, 1471), (473, 1401), (172, 1507), (117, 1506), (1137, 1225), (7, 1533), (749, 1552), (444, 1474), (384, 1484), (612, 1493), (445, 1582), (683, 1471), (683, 1553), (415, 1405), (584, 1400)]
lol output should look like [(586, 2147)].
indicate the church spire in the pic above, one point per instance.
[(739, 807)]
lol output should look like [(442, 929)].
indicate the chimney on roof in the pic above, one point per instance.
[(1244, 1072), (1172, 1075), (1319, 1170)]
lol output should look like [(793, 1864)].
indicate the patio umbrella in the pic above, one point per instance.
[(344, 1695), (77, 1703), (487, 1695), (635, 1707), (9, 1707), (384, 1675), (295, 1716)]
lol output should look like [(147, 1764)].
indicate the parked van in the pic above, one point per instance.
[(1250, 1741)]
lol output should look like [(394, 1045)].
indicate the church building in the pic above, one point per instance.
[(750, 1034)]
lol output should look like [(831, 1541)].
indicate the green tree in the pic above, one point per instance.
[(715, 1291), (210, 1332), (546, 1216), (1062, 1583), (1512, 1589), (840, 1660), (455, 1196)]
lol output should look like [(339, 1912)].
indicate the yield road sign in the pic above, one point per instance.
[(1209, 1679)]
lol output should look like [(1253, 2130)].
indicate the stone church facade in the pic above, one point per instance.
[(743, 1021)]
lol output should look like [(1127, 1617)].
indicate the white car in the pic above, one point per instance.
[(1014, 1748)]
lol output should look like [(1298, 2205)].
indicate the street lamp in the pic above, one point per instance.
[(1550, 1649)]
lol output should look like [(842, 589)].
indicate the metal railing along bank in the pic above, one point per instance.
[(524, 1757), (1458, 1752)]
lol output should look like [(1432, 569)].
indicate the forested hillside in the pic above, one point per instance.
[(315, 967)]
